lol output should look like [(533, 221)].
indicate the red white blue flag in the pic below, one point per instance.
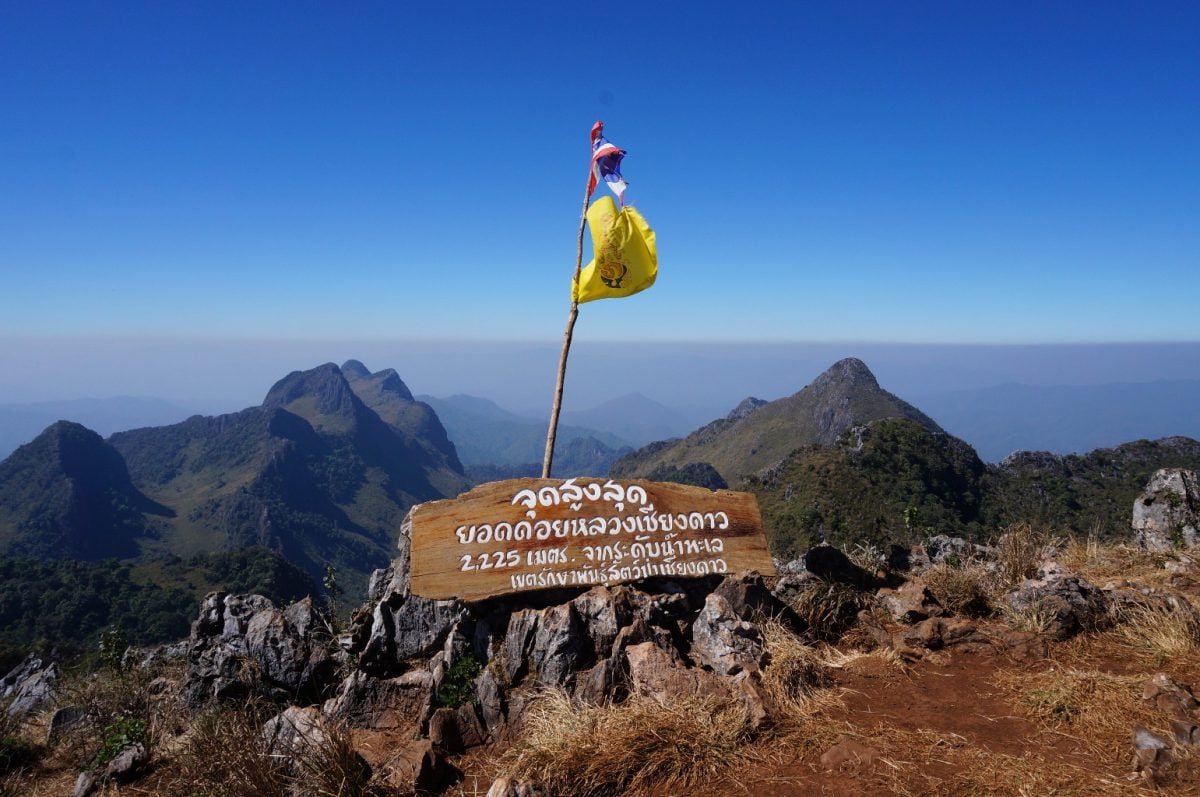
[(606, 164)]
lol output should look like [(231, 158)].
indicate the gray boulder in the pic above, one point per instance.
[(942, 549), (604, 611), (456, 729), (363, 701), (1152, 757), (557, 646), (749, 596), (791, 587), (653, 672), (1167, 513), (406, 627), (125, 766), (242, 644), (30, 685), (911, 602), (63, 720), (1173, 699), (723, 641), (506, 787)]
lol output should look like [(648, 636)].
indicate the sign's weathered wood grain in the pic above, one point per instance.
[(527, 534)]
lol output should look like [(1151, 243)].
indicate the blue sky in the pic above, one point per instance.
[(900, 172)]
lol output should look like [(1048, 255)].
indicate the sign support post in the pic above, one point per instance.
[(552, 432)]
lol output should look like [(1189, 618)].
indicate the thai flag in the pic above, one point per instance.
[(606, 164)]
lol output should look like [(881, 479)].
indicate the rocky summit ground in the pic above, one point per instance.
[(1034, 666)]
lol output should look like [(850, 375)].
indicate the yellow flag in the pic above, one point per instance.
[(626, 259)]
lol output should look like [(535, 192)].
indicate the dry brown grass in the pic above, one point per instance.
[(225, 755), (840, 659), (797, 678), (830, 608), (18, 754), (866, 556), (108, 697), (1018, 553), (1160, 631), (1099, 563), (574, 749), (963, 590), (1093, 707), (1033, 617), (334, 769)]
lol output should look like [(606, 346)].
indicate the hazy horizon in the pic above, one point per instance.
[(226, 375)]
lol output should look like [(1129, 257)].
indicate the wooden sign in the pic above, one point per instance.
[(525, 534)]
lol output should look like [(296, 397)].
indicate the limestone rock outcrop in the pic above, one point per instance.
[(1167, 513), (30, 685), (243, 644)]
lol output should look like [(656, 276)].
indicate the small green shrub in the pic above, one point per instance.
[(113, 644), (117, 736), (458, 687)]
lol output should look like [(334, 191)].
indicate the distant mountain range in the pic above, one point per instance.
[(997, 420), (68, 495), (895, 481)]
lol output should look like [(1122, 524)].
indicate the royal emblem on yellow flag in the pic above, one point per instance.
[(626, 259)]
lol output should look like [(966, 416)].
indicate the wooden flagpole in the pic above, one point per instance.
[(552, 432)]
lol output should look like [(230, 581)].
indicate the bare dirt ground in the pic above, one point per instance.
[(957, 724)]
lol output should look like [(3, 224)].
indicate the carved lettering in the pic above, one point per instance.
[(535, 534)]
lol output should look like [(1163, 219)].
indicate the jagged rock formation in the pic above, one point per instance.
[(289, 649), (1167, 513), (752, 437), (464, 673), (68, 494), (30, 685)]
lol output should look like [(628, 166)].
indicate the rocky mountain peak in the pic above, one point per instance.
[(354, 369), (78, 452), (758, 435), (850, 372), (68, 493), (385, 381), (390, 381), (745, 407), (322, 396)]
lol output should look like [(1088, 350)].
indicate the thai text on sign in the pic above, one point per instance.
[(527, 534)]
